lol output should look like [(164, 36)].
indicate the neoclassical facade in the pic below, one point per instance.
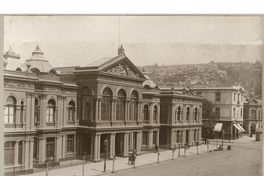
[(57, 114), (253, 116)]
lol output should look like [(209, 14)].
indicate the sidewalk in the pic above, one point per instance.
[(90, 169)]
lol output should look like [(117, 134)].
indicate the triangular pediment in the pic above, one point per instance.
[(123, 67)]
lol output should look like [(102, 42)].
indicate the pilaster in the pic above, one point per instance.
[(43, 104)]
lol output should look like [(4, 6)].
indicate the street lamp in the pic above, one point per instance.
[(105, 145)]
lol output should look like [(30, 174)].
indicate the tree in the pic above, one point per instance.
[(209, 118)]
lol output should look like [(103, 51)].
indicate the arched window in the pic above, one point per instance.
[(120, 105), (155, 113), (179, 114), (36, 113), (134, 106), (195, 114), (87, 104), (50, 111), (146, 114), (71, 111), (188, 113), (106, 104), (10, 110)]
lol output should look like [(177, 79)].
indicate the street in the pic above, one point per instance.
[(244, 159)]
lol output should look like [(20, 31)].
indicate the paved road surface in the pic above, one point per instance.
[(244, 159)]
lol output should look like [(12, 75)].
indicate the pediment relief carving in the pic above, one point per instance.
[(122, 69)]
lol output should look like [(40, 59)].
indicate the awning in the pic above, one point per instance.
[(241, 127), (218, 127), (237, 127)]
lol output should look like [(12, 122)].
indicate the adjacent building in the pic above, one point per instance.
[(253, 116)]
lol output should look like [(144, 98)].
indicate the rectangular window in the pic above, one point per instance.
[(50, 114), (217, 96), (9, 114), (70, 147), (71, 112), (35, 149), (145, 137), (9, 153), (37, 115), (253, 113), (194, 136), (50, 147), (178, 137)]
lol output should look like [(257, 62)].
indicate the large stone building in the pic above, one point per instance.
[(59, 114), (253, 115)]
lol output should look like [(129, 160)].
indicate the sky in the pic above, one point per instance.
[(167, 39)]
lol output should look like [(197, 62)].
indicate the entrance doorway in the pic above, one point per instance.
[(253, 128), (119, 144), (104, 153), (187, 136)]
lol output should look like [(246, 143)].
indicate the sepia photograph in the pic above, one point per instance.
[(126, 95)]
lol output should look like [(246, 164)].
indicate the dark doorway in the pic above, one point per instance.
[(253, 128), (187, 136), (119, 144), (104, 153)]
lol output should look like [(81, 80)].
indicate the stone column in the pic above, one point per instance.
[(63, 146), (64, 117), (23, 152), (96, 111), (28, 104), (74, 143), (157, 137), (169, 113), (183, 136), (42, 150), (27, 154), (139, 111), (99, 110), (17, 115), (172, 138), (32, 115), (58, 147), (173, 113), (43, 105), (199, 135), (191, 136), (31, 149), (184, 110), (112, 145), (60, 112), (150, 138), (158, 114), (126, 110), (125, 145), (151, 107), (200, 114), (112, 110), (139, 142), (97, 141), (16, 153)]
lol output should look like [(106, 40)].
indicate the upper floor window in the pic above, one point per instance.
[(36, 113), (134, 106), (195, 113), (10, 110), (22, 111), (71, 111), (50, 111), (188, 113), (155, 113), (238, 98), (120, 105), (234, 112), (106, 104), (253, 113), (87, 104), (234, 97), (146, 113), (217, 96), (179, 114)]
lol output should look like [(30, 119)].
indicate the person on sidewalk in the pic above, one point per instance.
[(156, 148)]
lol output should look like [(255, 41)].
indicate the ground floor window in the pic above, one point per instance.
[(194, 135), (145, 137), (70, 147), (35, 149), (9, 153)]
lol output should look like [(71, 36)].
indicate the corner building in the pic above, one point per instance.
[(58, 114)]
